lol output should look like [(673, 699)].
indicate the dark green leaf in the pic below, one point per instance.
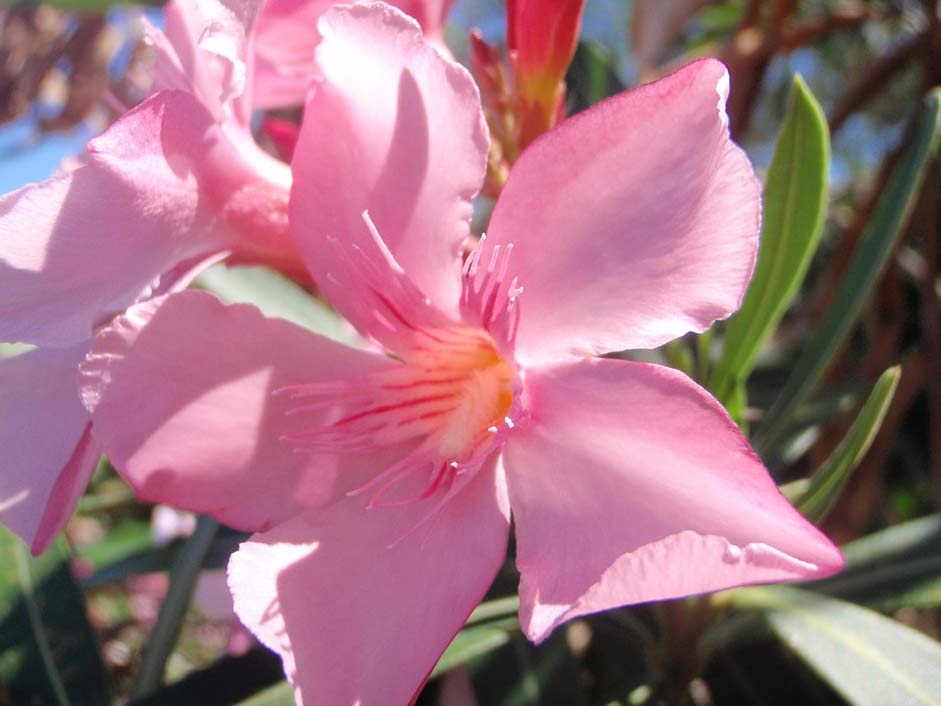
[(794, 208), (894, 568), (869, 659), (591, 76), (522, 674), (869, 259), (48, 652), (154, 558), (278, 695), (474, 641), (124, 540), (830, 479), (225, 682), (497, 608), (186, 568)]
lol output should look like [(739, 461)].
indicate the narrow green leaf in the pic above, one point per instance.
[(123, 540), (915, 538), (794, 208), (679, 356), (278, 695), (830, 479), (276, 296), (895, 568), (189, 562), (592, 76), (48, 652), (869, 659), (227, 681), (869, 259), (155, 558), (475, 641), (497, 608)]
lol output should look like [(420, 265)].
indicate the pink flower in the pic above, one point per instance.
[(382, 486), (287, 36), (174, 185)]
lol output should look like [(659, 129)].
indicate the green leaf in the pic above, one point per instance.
[(869, 659), (895, 568), (795, 201), (830, 479), (48, 651), (522, 674), (154, 558), (186, 568), (227, 681), (278, 695), (475, 641), (869, 259), (497, 608), (124, 540), (276, 296), (592, 76)]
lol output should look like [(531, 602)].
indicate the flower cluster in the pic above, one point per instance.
[(380, 481)]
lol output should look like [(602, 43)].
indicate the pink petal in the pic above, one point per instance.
[(393, 128), (162, 191), (432, 15), (286, 36), (182, 400), (357, 616), (48, 452), (633, 222), (631, 484), (205, 51)]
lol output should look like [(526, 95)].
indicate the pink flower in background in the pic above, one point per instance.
[(174, 185), (287, 36), (381, 486)]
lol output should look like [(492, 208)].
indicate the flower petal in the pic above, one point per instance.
[(161, 192), (181, 395), (631, 484), (286, 36), (206, 51), (432, 15), (48, 452), (633, 222), (358, 617), (394, 129)]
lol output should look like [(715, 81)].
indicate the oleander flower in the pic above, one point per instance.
[(381, 486), (175, 184), (287, 36)]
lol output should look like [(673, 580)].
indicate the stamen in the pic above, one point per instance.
[(452, 395), (486, 297)]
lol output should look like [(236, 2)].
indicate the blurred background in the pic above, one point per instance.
[(68, 68)]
